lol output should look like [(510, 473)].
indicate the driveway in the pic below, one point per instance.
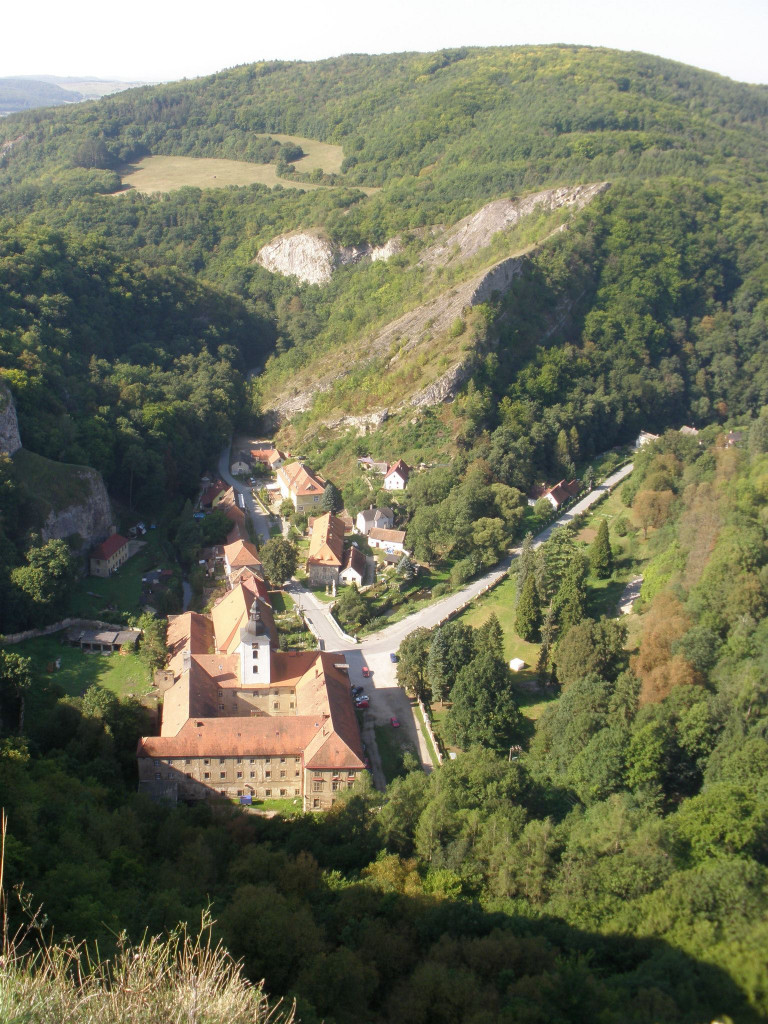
[(252, 507)]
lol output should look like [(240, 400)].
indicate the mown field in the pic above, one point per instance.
[(166, 173)]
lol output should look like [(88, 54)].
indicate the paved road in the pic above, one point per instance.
[(374, 652), (259, 520)]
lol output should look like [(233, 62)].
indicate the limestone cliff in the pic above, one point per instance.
[(473, 233), (10, 441), (60, 500), (313, 258), (90, 517)]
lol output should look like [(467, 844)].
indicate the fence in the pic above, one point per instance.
[(31, 634)]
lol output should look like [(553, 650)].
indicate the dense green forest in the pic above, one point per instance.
[(617, 870)]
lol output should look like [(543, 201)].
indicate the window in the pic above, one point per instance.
[(255, 652), (297, 760), (315, 802), (275, 705), (206, 775), (317, 786), (239, 775), (253, 775), (267, 775), (255, 670), (188, 774), (206, 761), (282, 792), (293, 705), (297, 772), (334, 785), (296, 792), (267, 760), (239, 792), (221, 707), (187, 760), (222, 760), (158, 775), (222, 775), (282, 760), (251, 760), (267, 792), (239, 760), (157, 761)]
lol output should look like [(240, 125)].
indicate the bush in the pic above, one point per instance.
[(440, 590), (462, 571)]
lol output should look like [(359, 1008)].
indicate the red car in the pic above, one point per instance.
[(366, 671), (362, 704), (395, 723)]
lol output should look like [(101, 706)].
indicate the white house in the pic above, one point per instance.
[(240, 468), (354, 567), (396, 478), (378, 518), (391, 541)]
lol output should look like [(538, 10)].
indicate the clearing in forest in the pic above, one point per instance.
[(166, 173)]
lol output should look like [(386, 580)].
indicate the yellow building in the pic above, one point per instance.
[(302, 486)]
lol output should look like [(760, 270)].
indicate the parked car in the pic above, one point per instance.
[(366, 672), (392, 656), (395, 723), (362, 703), (356, 691), (361, 696)]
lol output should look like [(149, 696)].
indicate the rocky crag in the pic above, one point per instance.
[(10, 440), (313, 259), (62, 500), (393, 344)]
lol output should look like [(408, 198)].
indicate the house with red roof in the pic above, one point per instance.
[(109, 556), (396, 477)]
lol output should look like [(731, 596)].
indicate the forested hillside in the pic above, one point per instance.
[(617, 871)]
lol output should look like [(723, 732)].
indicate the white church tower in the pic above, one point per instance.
[(255, 651)]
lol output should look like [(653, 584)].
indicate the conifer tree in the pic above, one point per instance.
[(569, 605), (490, 637), (528, 616), (600, 554)]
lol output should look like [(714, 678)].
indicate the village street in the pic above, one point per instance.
[(252, 507), (375, 653)]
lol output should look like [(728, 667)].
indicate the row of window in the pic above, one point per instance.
[(223, 760)]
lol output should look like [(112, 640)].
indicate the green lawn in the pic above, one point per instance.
[(288, 807), (392, 745), (115, 598), (123, 674)]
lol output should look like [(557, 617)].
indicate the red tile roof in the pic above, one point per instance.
[(111, 545), (326, 547)]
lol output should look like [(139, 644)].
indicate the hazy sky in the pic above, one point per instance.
[(159, 40)]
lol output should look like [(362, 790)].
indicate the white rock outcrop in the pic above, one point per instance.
[(305, 256), (473, 233)]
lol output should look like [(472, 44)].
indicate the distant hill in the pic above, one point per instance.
[(27, 93)]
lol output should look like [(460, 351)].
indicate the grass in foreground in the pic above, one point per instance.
[(162, 980)]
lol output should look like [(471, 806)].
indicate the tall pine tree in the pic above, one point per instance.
[(528, 615), (600, 554)]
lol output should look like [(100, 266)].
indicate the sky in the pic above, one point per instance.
[(162, 40)]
